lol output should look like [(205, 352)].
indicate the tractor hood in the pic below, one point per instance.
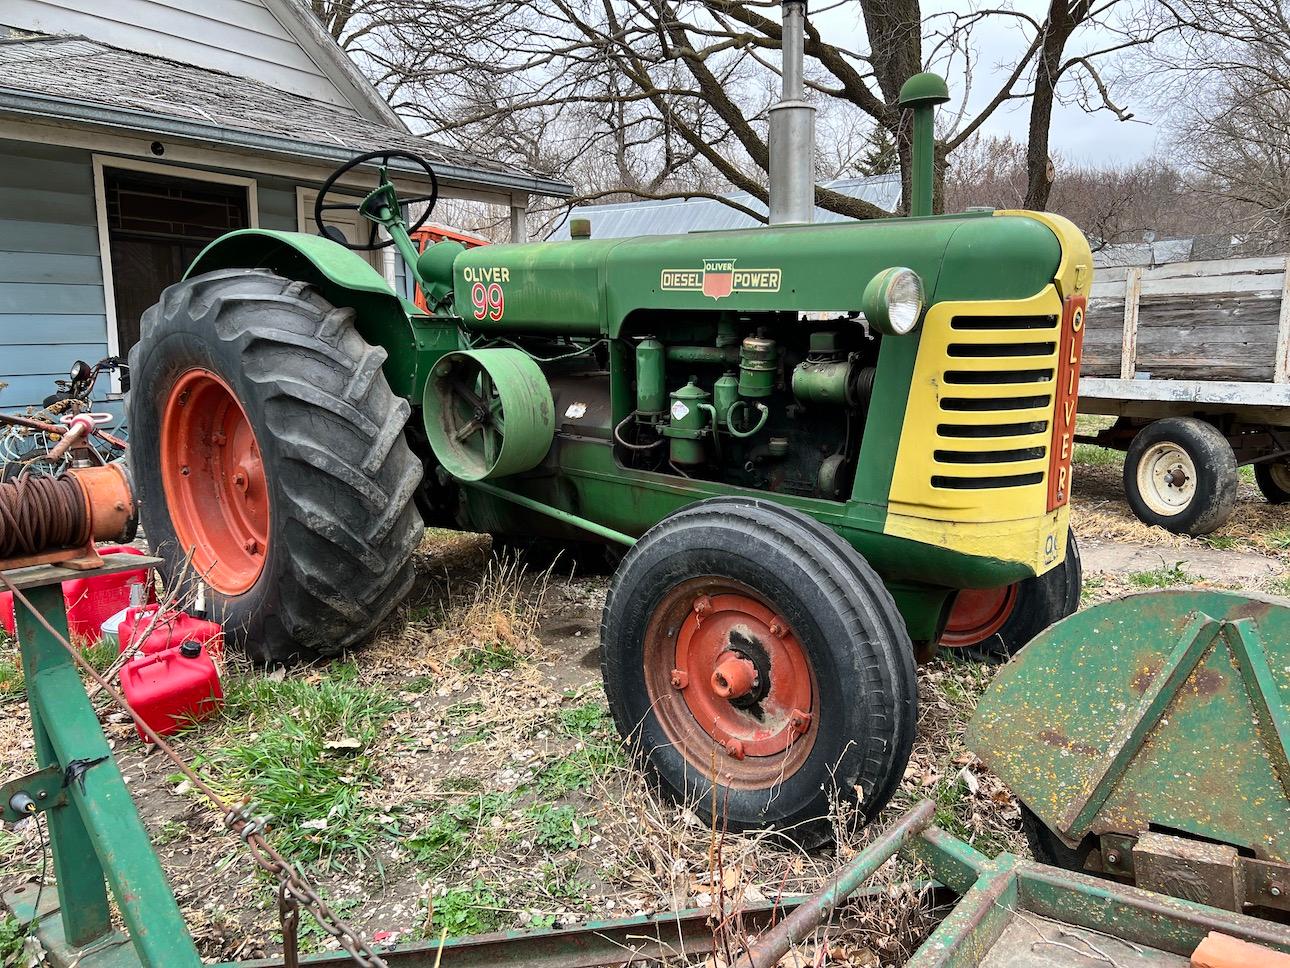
[(589, 287)]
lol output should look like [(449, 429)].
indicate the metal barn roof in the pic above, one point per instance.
[(675, 216)]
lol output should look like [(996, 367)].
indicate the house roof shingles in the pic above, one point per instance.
[(84, 80)]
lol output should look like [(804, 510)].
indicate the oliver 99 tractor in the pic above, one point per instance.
[(824, 447)]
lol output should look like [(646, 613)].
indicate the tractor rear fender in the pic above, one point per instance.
[(345, 279)]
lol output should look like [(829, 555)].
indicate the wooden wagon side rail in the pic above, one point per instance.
[(1225, 319)]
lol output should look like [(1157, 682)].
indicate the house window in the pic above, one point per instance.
[(156, 225)]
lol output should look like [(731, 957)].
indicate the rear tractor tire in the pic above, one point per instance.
[(1180, 474), (746, 638), (1273, 478), (993, 625), (267, 445)]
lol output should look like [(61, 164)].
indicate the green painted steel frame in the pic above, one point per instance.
[(96, 836), (1170, 708)]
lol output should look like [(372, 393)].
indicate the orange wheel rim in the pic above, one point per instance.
[(728, 678), (977, 614), (213, 475)]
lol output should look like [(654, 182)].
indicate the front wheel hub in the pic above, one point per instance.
[(735, 676), (747, 690)]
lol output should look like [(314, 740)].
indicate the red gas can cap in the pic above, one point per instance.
[(190, 649)]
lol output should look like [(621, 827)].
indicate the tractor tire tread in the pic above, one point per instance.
[(338, 429)]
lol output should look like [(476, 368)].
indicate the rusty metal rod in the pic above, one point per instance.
[(55, 429), (774, 944)]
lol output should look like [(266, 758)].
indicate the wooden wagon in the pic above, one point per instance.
[(1193, 359)]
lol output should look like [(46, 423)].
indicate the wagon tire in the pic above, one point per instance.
[(727, 583), (1180, 474), (267, 443), (1273, 478), (1047, 848), (993, 626)]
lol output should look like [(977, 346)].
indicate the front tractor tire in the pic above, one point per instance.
[(268, 448), (746, 638), (994, 624)]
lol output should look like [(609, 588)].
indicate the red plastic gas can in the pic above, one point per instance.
[(172, 628), (172, 689), (93, 600)]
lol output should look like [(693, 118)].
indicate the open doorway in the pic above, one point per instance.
[(154, 222)]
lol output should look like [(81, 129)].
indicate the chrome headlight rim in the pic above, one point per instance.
[(893, 301)]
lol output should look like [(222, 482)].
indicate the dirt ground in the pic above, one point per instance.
[(461, 774)]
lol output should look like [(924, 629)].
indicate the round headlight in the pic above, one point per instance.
[(893, 301)]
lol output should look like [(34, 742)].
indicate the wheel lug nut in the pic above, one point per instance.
[(735, 748), (680, 679), (251, 545), (702, 605), (778, 628), (799, 721)]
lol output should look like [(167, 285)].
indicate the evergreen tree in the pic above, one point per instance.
[(879, 157)]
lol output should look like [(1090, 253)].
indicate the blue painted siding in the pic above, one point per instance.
[(51, 285), (52, 308)]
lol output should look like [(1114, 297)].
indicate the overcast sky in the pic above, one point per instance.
[(1076, 135)]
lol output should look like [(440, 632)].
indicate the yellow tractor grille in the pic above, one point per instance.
[(995, 401)]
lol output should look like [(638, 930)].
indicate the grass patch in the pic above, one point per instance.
[(451, 834), (297, 748), (466, 909), (557, 828), (589, 719), (12, 937), (12, 683), (1091, 589), (1162, 577), (1221, 542), (1091, 455), (1278, 539), (492, 657), (580, 769)]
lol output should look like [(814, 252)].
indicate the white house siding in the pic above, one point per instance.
[(236, 36), (51, 282)]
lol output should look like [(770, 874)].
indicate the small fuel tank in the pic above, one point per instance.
[(173, 688), (170, 629)]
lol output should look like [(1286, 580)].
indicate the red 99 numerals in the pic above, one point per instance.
[(489, 301)]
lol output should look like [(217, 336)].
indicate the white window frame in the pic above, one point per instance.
[(100, 162), (382, 260)]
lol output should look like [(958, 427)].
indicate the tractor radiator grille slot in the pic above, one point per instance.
[(984, 377), (989, 456), (975, 483), (992, 430), (976, 351), (978, 404), (995, 370), (1003, 322)]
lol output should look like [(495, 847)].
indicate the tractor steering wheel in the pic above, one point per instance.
[(374, 199)]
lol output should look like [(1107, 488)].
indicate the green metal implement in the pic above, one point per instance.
[(97, 839), (1156, 714)]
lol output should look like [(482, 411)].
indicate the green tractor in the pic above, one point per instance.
[(825, 448)]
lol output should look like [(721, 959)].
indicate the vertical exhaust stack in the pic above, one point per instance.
[(792, 131)]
